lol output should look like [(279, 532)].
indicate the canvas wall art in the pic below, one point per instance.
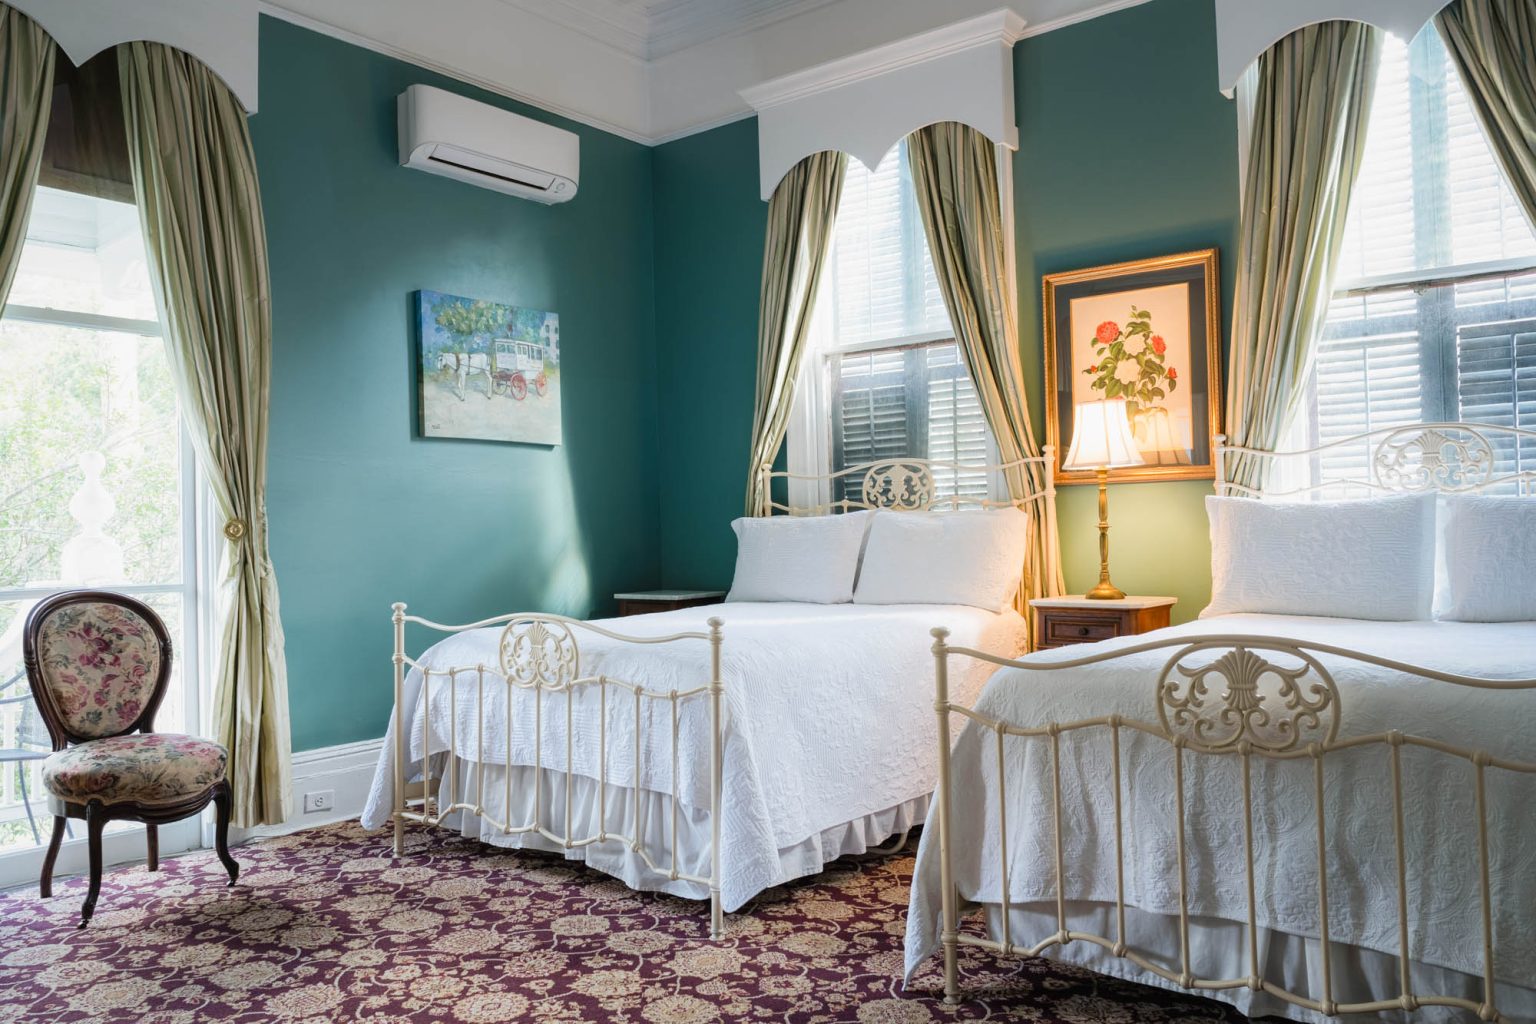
[(489, 371), (1147, 332)]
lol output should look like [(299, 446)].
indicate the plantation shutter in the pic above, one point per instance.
[(957, 428), (1496, 383), (1435, 317), (870, 407), (899, 388)]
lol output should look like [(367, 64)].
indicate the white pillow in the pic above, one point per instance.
[(1490, 559), (814, 559), (1370, 559), (973, 558)]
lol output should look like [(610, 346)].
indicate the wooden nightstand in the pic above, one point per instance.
[(1060, 621), (642, 601)]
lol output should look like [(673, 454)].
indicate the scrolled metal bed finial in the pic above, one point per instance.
[(1442, 457), (1264, 706), (903, 486), (539, 652)]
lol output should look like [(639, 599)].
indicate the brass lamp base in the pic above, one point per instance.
[(1105, 591)]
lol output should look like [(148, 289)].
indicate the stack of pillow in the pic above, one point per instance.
[(1458, 557), (875, 557)]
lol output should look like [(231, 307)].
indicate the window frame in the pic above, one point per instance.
[(196, 589), (809, 441), (1433, 285)]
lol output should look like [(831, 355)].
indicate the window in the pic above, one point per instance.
[(884, 377), (96, 482), (1434, 311)]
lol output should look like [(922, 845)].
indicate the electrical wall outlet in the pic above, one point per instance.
[(319, 800)]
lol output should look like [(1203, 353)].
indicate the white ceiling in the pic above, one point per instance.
[(655, 28), (649, 70)]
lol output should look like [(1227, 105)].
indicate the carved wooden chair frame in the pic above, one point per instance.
[(95, 813)]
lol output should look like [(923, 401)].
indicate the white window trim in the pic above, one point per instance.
[(1435, 277), (201, 563), (1301, 431), (808, 441)]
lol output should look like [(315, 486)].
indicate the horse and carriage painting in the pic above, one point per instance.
[(488, 371)]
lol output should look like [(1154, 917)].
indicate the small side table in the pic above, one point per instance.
[(1062, 621), (640, 602)]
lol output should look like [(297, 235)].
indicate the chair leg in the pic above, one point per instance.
[(152, 842), (221, 801), (95, 821), (45, 883)]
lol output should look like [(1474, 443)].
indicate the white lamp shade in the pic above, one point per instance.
[(1102, 437)]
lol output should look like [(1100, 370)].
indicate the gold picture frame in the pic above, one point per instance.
[(1123, 330)]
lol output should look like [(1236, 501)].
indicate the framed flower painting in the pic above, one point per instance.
[(1148, 332)]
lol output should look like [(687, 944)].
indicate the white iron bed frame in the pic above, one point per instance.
[(540, 653), (1248, 696)]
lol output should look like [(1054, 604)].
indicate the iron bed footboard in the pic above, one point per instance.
[(540, 653), (1238, 696)]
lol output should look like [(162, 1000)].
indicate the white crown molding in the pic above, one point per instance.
[(1040, 28), (1246, 28), (1001, 26), (700, 127), (449, 69), (653, 71)]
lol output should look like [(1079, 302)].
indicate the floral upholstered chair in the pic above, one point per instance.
[(99, 664)]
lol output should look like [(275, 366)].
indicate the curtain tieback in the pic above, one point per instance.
[(234, 529)]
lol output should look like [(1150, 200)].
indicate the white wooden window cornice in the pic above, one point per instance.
[(221, 34), (865, 103), (1246, 28)]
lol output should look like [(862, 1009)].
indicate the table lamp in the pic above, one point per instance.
[(1101, 441)]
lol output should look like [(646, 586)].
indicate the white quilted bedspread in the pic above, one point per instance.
[(1444, 913), (828, 716)]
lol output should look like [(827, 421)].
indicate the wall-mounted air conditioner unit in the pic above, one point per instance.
[(448, 134)]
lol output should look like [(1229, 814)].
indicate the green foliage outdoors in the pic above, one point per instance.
[(65, 391)]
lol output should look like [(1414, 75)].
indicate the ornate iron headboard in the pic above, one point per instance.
[(910, 485), (1446, 457)]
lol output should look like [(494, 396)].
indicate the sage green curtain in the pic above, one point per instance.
[(801, 214), (195, 180), (27, 54), (1493, 45), (1311, 105), (954, 172)]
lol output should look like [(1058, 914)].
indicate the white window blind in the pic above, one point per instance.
[(1435, 303), (885, 375)]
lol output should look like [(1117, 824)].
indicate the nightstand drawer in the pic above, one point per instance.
[(1066, 629), (1061, 621)]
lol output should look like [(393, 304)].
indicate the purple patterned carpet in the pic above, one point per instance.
[(324, 926)]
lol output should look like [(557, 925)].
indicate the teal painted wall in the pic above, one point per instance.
[(362, 510), (654, 271), (1137, 159), (1126, 150), (710, 225)]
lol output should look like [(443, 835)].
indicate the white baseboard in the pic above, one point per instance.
[(344, 770)]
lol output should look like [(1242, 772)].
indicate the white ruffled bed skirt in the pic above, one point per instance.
[(1219, 948), (742, 877)]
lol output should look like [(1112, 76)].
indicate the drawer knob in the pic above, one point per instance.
[(1082, 630)]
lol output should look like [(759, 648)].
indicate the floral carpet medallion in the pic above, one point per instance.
[(326, 926)]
